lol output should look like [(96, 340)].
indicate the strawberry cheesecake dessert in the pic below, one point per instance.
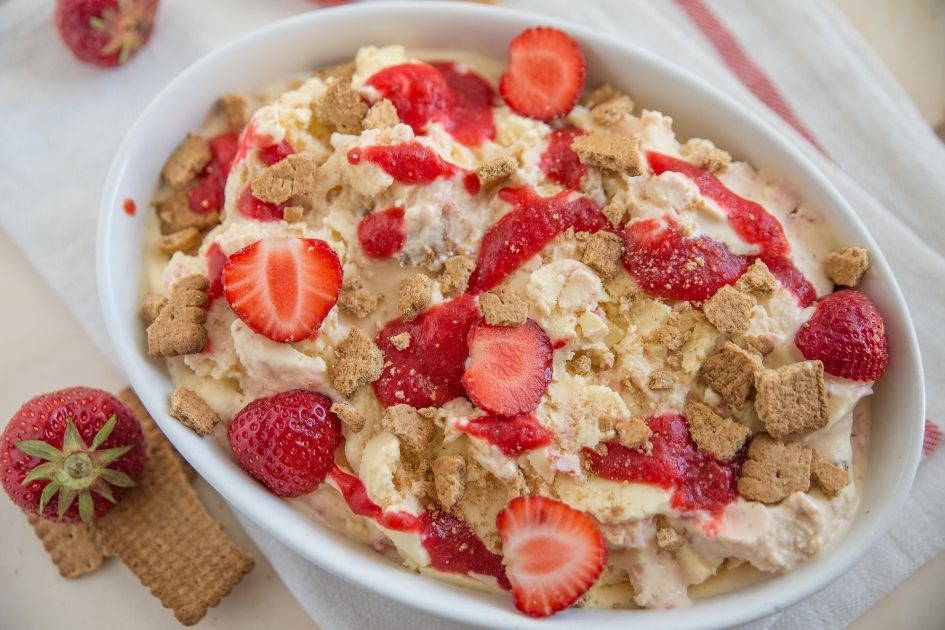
[(511, 331)]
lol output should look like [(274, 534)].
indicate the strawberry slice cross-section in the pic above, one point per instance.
[(545, 75), (552, 553), (283, 288)]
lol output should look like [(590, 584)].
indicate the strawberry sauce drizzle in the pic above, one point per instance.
[(128, 206), (698, 481), (439, 92), (559, 162), (407, 163), (511, 435), (524, 232), (207, 195), (383, 233), (452, 545), (253, 208), (215, 261), (749, 220)]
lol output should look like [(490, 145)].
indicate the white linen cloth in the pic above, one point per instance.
[(61, 122)]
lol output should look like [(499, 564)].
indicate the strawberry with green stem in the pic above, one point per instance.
[(70, 455), (105, 32)]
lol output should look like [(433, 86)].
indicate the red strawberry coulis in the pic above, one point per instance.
[(698, 481), (407, 163), (440, 92), (452, 545), (429, 371), (252, 207), (215, 261), (533, 222), (207, 195), (749, 220), (383, 233), (128, 206), (511, 435), (559, 162)]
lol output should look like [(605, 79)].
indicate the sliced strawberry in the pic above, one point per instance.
[(509, 367), (545, 75), (848, 334), (513, 436), (283, 287), (552, 553)]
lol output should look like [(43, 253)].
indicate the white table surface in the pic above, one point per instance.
[(44, 349)]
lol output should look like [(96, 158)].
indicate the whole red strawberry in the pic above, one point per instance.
[(287, 441), (848, 334), (105, 32), (70, 454)]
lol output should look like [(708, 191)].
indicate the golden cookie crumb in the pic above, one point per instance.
[(668, 539), (179, 327), (661, 379), (720, 437), (609, 151), (151, 307), (355, 300), (633, 433), (845, 266), (759, 343), (235, 110), (774, 470), (615, 214), (341, 107), (455, 276), (599, 95), (612, 111), (415, 295), (353, 419), (357, 362), (831, 479), (401, 341), (602, 253), (729, 310), (293, 214), (412, 429), (449, 479), (344, 70), (581, 364), (381, 115), (503, 307), (730, 372), (287, 178), (792, 399), (193, 411), (186, 240), (758, 279), (175, 214), (188, 159), (495, 171)]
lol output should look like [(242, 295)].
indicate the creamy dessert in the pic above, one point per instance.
[(515, 335)]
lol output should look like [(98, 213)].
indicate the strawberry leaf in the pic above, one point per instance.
[(43, 471), (104, 490), (86, 509), (106, 457), (40, 449), (104, 432), (66, 497), (72, 442), (48, 492), (116, 478)]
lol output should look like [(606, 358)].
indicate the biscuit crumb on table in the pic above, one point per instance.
[(455, 276), (415, 295), (381, 115), (774, 470), (357, 362), (287, 178), (846, 265), (609, 151), (412, 429), (730, 372), (193, 411), (355, 299), (792, 399), (449, 479), (720, 437), (349, 415), (187, 160), (503, 307), (729, 310), (179, 326), (602, 253)]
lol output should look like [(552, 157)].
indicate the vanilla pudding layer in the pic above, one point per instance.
[(580, 312)]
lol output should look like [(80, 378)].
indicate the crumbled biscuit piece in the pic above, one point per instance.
[(720, 437), (151, 307), (602, 253), (357, 362), (188, 159), (344, 70), (846, 265), (401, 341), (670, 336), (381, 115), (599, 95), (293, 176), (341, 107), (731, 373), (774, 470), (503, 307), (186, 240), (179, 327), (759, 343), (729, 310), (455, 276), (495, 171), (355, 299), (612, 111), (792, 399), (449, 479), (193, 411), (581, 364), (293, 214), (609, 151), (830, 477), (661, 379), (415, 295), (236, 110), (414, 430), (353, 419), (758, 280), (633, 433), (668, 539), (175, 214), (615, 214)]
